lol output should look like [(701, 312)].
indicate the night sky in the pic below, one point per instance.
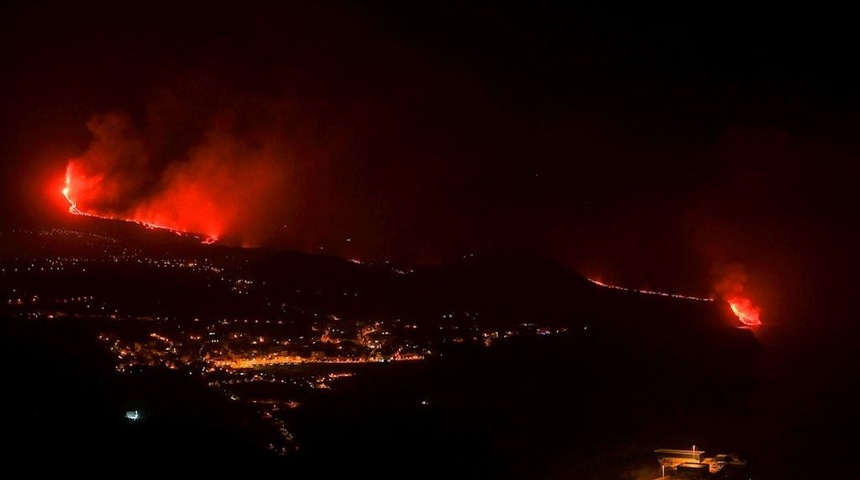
[(650, 147)]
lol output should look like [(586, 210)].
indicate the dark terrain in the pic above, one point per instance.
[(630, 373)]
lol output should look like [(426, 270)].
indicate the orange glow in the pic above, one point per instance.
[(746, 312), (78, 185)]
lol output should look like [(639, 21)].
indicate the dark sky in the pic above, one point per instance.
[(647, 146)]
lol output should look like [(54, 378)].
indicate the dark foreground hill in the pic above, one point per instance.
[(581, 404), (64, 410)]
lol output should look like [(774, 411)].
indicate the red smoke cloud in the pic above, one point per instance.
[(730, 287), (217, 188)]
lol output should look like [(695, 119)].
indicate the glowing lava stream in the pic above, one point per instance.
[(746, 312), (73, 209), (743, 308), (649, 292)]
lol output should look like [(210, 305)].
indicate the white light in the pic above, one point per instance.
[(133, 415)]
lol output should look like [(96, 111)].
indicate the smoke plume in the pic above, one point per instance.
[(218, 186)]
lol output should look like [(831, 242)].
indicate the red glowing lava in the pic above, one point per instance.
[(82, 184), (746, 312), (67, 189), (743, 308), (649, 292), (731, 286)]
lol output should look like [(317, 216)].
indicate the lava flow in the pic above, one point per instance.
[(69, 189), (746, 312), (649, 292), (743, 308)]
